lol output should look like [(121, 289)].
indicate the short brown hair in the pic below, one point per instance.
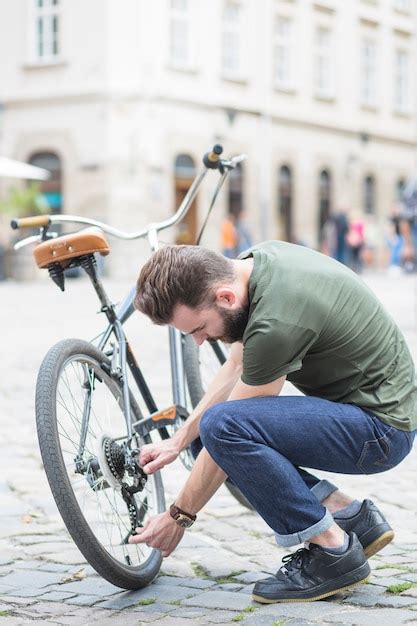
[(180, 275)]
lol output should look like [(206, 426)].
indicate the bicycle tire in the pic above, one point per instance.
[(195, 385), (120, 574)]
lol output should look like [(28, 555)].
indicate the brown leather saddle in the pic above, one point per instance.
[(64, 249)]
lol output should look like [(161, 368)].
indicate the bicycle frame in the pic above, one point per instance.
[(122, 357)]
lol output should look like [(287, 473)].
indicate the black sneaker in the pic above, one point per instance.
[(370, 526), (313, 573)]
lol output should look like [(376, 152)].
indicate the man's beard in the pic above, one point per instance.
[(235, 323)]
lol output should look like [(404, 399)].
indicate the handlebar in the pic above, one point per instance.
[(211, 160), (31, 222)]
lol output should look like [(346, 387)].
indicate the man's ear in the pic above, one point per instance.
[(226, 297)]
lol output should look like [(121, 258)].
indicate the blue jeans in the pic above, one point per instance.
[(263, 444)]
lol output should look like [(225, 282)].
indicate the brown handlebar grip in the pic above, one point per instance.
[(31, 222)]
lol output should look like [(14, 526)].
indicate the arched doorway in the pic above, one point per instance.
[(325, 201), (51, 189), (184, 168), (285, 201)]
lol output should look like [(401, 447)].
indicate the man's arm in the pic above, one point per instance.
[(154, 457), (205, 478)]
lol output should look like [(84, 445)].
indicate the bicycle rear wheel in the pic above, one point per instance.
[(89, 483), (201, 364)]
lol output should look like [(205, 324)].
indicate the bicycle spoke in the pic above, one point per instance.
[(102, 506)]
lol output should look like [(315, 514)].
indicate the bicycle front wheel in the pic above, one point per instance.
[(82, 435)]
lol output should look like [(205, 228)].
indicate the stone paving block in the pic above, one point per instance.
[(70, 557), (197, 583), (30, 579), (188, 612), (177, 567), (228, 587), (256, 619), (50, 608), (368, 588), (251, 577), (410, 592), (221, 617), (247, 589), (297, 622), (384, 581), (166, 594), (83, 600), (31, 565), (54, 567), (57, 596), (385, 600), (29, 593), (380, 617), (135, 618), (219, 600), (402, 559), (410, 576), (157, 607), (174, 621), (110, 619), (11, 621), (13, 601), (319, 610), (386, 572), (93, 586)]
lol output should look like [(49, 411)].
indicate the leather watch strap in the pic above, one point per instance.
[(177, 514)]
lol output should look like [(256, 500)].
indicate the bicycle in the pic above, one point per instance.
[(90, 425)]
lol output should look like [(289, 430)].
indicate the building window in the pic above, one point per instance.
[(325, 197), (50, 189), (402, 5), (180, 34), (369, 195), (232, 36), (285, 202), (283, 53), (401, 81), (46, 27), (368, 73), (323, 63), (184, 172)]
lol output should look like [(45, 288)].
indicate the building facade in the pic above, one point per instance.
[(121, 99)]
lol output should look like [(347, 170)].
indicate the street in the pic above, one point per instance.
[(208, 579)]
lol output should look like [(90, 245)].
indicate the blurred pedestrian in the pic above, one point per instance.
[(341, 228), (408, 226), (244, 237), (355, 239), (395, 240), (229, 236)]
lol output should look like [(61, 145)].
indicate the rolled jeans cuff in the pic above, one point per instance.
[(323, 489), (304, 535)]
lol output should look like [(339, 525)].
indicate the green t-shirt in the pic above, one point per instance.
[(315, 321)]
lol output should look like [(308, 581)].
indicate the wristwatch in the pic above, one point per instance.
[(182, 518)]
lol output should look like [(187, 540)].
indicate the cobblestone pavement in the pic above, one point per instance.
[(208, 580)]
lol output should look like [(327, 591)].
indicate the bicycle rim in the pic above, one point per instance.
[(94, 495)]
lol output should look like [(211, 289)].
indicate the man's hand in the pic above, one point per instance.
[(161, 532), (154, 456)]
